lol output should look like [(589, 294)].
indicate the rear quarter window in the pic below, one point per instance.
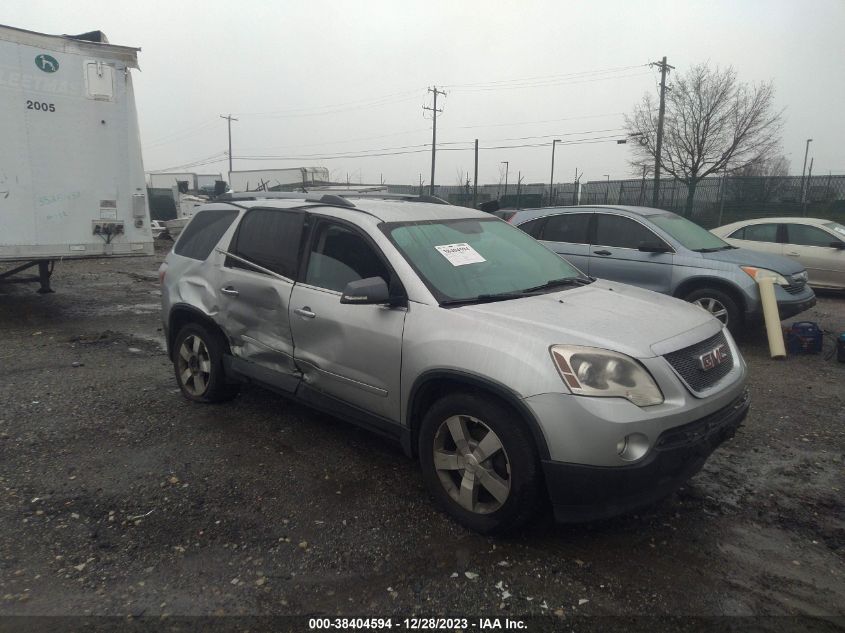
[(203, 232)]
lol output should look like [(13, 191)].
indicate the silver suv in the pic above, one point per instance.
[(511, 376)]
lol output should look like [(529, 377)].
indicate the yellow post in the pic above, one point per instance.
[(771, 316)]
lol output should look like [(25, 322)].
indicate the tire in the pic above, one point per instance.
[(720, 304), (501, 491), (198, 364)]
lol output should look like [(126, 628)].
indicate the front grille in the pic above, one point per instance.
[(687, 362), (797, 283), (794, 289)]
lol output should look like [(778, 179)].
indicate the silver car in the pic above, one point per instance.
[(506, 372), (667, 253)]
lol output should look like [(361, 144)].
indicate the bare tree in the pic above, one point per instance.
[(712, 120), (760, 180)]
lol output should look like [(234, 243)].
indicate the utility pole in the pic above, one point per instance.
[(664, 68), (607, 188), (229, 118), (434, 113), (507, 167), (518, 189), (807, 188), (804, 169), (475, 179), (575, 188), (552, 177)]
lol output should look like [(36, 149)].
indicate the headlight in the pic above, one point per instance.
[(590, 371), (756, 273)]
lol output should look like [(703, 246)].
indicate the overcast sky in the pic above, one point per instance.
[(309, 80)]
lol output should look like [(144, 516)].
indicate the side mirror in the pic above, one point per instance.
[(652, 247), (838, 244), (369, 291)]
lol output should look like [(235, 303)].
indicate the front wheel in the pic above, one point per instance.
[(720, 304), (198, 363), (480, 463)]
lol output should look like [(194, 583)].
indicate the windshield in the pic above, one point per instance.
[(689, 234), (467, 259), (837, 228)]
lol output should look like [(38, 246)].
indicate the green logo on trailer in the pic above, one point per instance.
[(47, 63)]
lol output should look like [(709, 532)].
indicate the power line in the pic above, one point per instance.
[(312, 111), (546, 77), (572, 118), (550, 84), (379, 153)]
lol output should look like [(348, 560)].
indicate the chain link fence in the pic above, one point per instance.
[(719, 201)]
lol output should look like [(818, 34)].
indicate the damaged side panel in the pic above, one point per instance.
[(254, 309)]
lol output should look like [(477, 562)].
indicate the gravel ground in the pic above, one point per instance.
[(119, 497)]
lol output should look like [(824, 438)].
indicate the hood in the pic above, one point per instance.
[(745, 257), (605, 314)]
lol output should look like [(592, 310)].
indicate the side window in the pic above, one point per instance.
[(615, 230), (804, 235), (569, 227), (270, 239), (761, 232), (533, 227), (739, 234), (203, 232), (340, 255)]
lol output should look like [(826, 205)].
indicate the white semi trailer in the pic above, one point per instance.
[(71, 176)]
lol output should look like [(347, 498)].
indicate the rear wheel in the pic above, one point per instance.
[(480, 463), (198, 363), (720, 304)]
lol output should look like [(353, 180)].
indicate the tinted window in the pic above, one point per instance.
[(689, 234), (533, 227), (340, 255), (570, 227), (803, 235), (269, 238), (203, 232), (614, 230), (761, 232), (739, 234)]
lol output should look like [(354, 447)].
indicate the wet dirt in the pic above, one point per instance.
[(119, 497)]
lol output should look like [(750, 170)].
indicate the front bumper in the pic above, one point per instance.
[(788, 304), (586, 493)]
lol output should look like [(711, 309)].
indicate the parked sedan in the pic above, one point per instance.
[(818, 245), (664, 252)]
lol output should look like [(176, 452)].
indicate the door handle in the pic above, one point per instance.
[(305, 312), (229, 290), (794, 254), (603, 253)]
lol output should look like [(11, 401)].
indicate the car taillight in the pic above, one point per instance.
[(161, 272), (508, 217)]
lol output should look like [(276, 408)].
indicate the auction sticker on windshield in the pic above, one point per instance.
[(460, 254)]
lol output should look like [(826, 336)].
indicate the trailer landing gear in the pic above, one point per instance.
[(45, 271)]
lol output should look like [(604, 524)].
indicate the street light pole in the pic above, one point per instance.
[(804, 169), (552, 178), (507, 166)]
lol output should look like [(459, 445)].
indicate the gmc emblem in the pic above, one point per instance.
[(714, 357)]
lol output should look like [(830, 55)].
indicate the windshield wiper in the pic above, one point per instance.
[(726, 247), (488, 298), (564, 281)]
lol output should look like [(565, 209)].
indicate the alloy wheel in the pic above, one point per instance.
[(714, 307), (472, 464), (194, 365)]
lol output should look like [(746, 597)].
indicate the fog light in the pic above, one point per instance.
[(632, 447)]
